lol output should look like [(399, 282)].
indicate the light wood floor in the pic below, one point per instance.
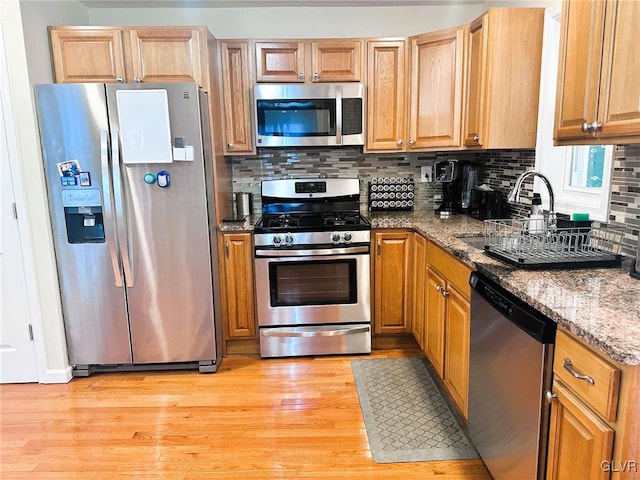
[(268, 419)]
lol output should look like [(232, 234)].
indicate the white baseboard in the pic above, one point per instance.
[(58, 375)]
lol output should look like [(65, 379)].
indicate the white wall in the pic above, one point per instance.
[(43, 290), (296, 22)]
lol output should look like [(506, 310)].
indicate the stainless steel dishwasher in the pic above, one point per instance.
[(511, 355)]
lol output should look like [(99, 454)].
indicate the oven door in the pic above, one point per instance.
[(311, 287)]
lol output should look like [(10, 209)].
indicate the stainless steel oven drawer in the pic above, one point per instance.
[(315, 340)]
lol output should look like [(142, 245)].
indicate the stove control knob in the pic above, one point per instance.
[(289, 239), (277, 241), (348, 237), (335, 237)]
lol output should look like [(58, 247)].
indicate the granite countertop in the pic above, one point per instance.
[(601, 306)]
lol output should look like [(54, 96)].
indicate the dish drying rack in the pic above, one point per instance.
[(532, 244)]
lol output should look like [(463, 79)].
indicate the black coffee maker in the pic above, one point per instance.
[(458, 179)]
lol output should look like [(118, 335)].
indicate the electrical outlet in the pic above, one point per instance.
[(425, 173)]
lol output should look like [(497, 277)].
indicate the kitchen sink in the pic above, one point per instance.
[(475, 242)]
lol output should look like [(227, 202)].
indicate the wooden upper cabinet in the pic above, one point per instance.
[(236, 95), (309, 61), (280, 62), (87, 54), (580, 65), (101, 54), (167, 55), (503, 78), (475, 78), (386, 97), (436, 89), (598, 96), (336, 61)]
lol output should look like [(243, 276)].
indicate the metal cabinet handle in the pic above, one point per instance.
[(568, 366), (399, 143), (475, 138), (301, 76), (445, 293), (229, 146), (119, 80), (550, 396), (411, 142), (586, 127), (316, 75), (137, 80), (439, 288), (226, 248), (379, 248), (595, 126)]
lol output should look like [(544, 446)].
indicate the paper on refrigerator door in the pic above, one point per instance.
[(145, 131)]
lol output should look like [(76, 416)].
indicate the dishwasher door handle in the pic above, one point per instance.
[(568, 366)]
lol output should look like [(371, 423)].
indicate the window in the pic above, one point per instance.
[(581, 175)]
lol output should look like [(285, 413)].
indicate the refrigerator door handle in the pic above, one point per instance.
[(123, 240), (108, 207)]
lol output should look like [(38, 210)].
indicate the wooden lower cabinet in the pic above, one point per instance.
[(239, 304), (447, 322), (391, 254), (579, 441), (434, 322), (456, 348), (419, 289)]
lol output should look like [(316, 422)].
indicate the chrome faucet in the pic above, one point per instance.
[(514, 196)]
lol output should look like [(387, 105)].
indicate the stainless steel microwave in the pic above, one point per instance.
[(326, 114)]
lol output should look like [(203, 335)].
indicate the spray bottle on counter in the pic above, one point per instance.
[(536, 218)]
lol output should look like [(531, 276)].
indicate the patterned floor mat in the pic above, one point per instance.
[(406, 418)]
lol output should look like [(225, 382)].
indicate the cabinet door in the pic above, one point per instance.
[(280, 62), (476, 73), (436, 89), (167, 55), (236, 88), (619, 104), (579, 67), (435, 316), (336, 61), (238, 265), (578, 440), (391, 278), (87, 55), (456, 354), (386, 85), (419, 279)]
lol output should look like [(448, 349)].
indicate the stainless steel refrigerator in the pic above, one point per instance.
[(130, 193)]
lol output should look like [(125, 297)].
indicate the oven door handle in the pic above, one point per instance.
[(311, 252), (285, 332)]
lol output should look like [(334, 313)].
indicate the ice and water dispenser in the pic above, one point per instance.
[(83, 215)]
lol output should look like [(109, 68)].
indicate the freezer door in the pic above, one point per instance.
[(165, 242), (73, 130)]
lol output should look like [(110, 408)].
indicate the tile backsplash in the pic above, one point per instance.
[(497, 168)]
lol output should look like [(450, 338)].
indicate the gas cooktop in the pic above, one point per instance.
[(291, 222)]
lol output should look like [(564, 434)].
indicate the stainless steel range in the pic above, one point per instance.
[(312, 268)]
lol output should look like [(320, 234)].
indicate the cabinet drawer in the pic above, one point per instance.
[(602, 394), (456, 272)]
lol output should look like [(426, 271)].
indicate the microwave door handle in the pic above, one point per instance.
[(110, 230), (339, 115)]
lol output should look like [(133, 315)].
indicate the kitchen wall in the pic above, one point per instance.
[(297, 22), (497, 168)]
